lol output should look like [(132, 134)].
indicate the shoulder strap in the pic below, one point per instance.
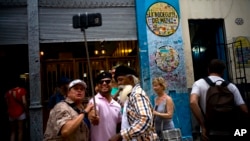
[(73, 106), (162, 118), (209, 81), (225, 83)]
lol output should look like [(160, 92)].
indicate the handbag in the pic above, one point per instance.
[(170, 134)]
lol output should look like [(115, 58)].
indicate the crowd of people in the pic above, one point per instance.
[(120, 110), (110, 118)]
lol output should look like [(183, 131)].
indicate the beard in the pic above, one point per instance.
[(125, 90)]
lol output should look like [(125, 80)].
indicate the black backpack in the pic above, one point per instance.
[(220, 112)]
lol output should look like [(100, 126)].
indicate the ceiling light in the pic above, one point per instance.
[(103, 51), (96, 52), (41, 53)]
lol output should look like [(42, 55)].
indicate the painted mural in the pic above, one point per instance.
[(162, 54), (162, 19), (166, 55), (242, 51), (167, 58)]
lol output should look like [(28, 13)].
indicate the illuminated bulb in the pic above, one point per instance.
[(96, 52), (41, 53), (103, 51)]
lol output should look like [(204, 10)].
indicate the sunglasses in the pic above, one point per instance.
[(106, 81)]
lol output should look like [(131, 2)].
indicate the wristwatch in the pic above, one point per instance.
[(83, 112)]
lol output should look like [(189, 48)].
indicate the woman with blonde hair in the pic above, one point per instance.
[(164, 107)]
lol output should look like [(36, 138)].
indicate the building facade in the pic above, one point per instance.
[(34, 23)]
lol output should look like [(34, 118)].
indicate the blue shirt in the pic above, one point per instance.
[(54, 99)]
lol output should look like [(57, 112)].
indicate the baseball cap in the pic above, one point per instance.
[(77, 81)]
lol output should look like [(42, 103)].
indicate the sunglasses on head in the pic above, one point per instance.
[(106, 81)]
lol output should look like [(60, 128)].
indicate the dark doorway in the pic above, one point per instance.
[(13, 62), (207, 43)]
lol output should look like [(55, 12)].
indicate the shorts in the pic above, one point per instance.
[(21, 117)]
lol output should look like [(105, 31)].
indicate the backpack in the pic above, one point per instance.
[(220, 112)]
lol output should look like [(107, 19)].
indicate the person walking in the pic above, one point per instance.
[(137, 120), (17, 110), (198, 100), (164, 107), (66, 119), (106, 120)]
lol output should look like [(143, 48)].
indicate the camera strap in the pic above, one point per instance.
[(73, 106)]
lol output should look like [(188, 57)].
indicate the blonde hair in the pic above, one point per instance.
[(161, 81)]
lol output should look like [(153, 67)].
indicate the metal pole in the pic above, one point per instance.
[(35, 117), (90, 68)]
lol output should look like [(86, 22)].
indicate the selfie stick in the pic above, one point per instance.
[(90, 68)]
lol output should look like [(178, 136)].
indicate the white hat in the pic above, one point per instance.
[(77, 81)]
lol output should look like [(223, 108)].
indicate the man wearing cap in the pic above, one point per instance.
[(137, 119), (108, 115), (66, 118)]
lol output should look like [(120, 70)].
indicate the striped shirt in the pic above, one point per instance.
[(139, 116)]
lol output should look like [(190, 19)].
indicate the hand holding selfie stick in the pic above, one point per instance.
[(84, 21)]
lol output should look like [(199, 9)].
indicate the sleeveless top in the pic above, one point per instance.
[(167, 123)]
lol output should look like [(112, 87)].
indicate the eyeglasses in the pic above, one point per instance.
[(106, 81)]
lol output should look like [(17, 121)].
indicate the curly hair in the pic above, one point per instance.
[(161, 81)]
